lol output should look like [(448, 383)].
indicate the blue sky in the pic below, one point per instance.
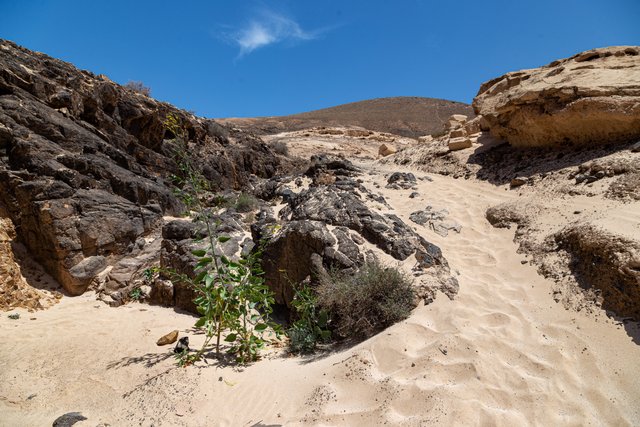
[(257, 58)]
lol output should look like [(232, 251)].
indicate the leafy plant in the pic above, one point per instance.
[(149, 274), (254, 304), (230, 296), (136, 294), (368, 301), (189, 182), (312, 326)]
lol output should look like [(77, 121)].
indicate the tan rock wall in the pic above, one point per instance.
[(590, 98)]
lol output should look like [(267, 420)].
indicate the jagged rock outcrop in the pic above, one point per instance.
[(85, 163), (330, 226), (590, 98)]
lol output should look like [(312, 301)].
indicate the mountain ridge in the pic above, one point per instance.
[(409, 116)]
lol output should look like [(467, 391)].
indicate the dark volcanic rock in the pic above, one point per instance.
[(85, 162), (180, 238), (404, 180), (296, 252), (326, 226), (338, 207), (68, 419)]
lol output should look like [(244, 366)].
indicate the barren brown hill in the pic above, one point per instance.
[(403, 115)]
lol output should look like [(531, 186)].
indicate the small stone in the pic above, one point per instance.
[(169, 338), (456, 144), (580, 178), (458, 133), (635, 148), (414, 195), (386, 150), (68, 419), (518, 181), (600, 174), (577, 212)]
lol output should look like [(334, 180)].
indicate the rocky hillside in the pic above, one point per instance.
[(87, 182), (405, 116), (85, 163)]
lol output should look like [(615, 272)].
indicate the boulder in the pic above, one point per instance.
[(456, 144), (518, 181), (458, 133), (455, 121), (473, 126), (506, 214), (386, 150), (80, 275), (295, 252), (590, 98), (425, 138), (405, 180)]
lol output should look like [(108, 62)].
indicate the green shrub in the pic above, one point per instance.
[(246, 203), (311, 328), (368, 301), (280, 147), (136, 294)]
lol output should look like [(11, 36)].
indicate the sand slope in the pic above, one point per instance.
[(502, 353)]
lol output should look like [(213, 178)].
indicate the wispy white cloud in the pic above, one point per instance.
[(269, 28)]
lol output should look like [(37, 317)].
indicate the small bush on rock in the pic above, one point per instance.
[(280, 147), (138, 87), (368, 301), (246, 203), (136, 294)]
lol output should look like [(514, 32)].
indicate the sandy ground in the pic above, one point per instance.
[(502, 353)]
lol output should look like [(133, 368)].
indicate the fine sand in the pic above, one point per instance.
[(501, 353)]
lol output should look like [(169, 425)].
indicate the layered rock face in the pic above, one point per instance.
[(13, 287), (606, 262), (85, 163), (591, 98)]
